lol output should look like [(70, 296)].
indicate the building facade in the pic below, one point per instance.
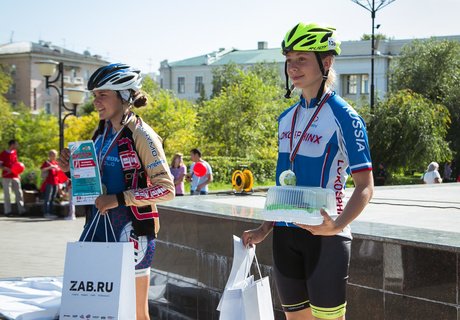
[(353, 68), (19, 59)]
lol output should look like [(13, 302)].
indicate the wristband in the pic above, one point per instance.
[(121, 199)]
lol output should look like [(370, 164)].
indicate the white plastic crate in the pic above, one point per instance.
[(299, 204)]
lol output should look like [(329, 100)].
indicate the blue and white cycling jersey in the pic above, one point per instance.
[(334, 145)]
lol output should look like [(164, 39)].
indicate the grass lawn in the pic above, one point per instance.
[(402, 179)]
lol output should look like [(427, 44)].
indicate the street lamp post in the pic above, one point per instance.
[(372, 8), (76, 96)]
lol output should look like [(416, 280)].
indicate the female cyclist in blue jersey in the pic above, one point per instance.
[(321, 139), (134, 171)]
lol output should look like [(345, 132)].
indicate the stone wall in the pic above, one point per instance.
[(388, 279)]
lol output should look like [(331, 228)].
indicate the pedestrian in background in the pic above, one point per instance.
[(380, 175), (8, 158), (200, 174), (447, 175), (178, 170), (50, 175), (432, 174)]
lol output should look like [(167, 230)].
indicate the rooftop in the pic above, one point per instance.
[(43, 47), (349, 48)]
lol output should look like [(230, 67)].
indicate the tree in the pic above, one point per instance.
[(269, 73), (407, 131), (86, 108), (432, 69), (80, 128), (36, 134), (149, 86), (226, 75), (242, 120), (378, 36), (202, 98), (173, 119), (223, 76), (6, 118)]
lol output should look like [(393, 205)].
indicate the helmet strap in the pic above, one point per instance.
[(288, 88), (125, 117), (324, 73), (125, 96)]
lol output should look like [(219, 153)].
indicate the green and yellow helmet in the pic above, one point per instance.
[(311, 37)]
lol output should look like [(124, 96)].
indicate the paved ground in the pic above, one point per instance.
[(33, 246)]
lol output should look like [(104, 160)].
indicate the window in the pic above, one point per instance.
[(365, 84), (48, 108), (13, 69), (181, 84), (352, 83), (161, 83), (198, 84)]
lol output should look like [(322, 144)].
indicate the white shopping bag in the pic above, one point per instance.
[(257, 299), (242, 260), (241, 289), (232, 307), (99, 281)]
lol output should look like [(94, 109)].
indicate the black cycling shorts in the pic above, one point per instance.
[(311, 271)]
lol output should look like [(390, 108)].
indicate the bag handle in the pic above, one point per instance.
[(96, 219), (257, 264), (249, 263)]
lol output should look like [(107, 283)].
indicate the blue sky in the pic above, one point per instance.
[(145, 32)]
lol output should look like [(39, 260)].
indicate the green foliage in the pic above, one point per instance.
[(407, 131), (263, 170), (80, 128), (242, 120), (202, 98), (269, 73), (86, 108), (432, 69), (36, 134), (378, 36), (173, 119), (5, 81), (223, 76), (429, 67), (6, 118), (149, 86), (231, 73)]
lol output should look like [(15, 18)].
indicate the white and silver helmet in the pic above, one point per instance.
[(117, 77)]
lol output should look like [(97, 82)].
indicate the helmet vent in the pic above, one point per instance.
[(308, 43), (291, 34), (296, 41), (102, 82), (326, 37), (125, 79)]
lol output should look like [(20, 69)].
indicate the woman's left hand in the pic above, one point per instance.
[(105, 202), (327, 228)]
